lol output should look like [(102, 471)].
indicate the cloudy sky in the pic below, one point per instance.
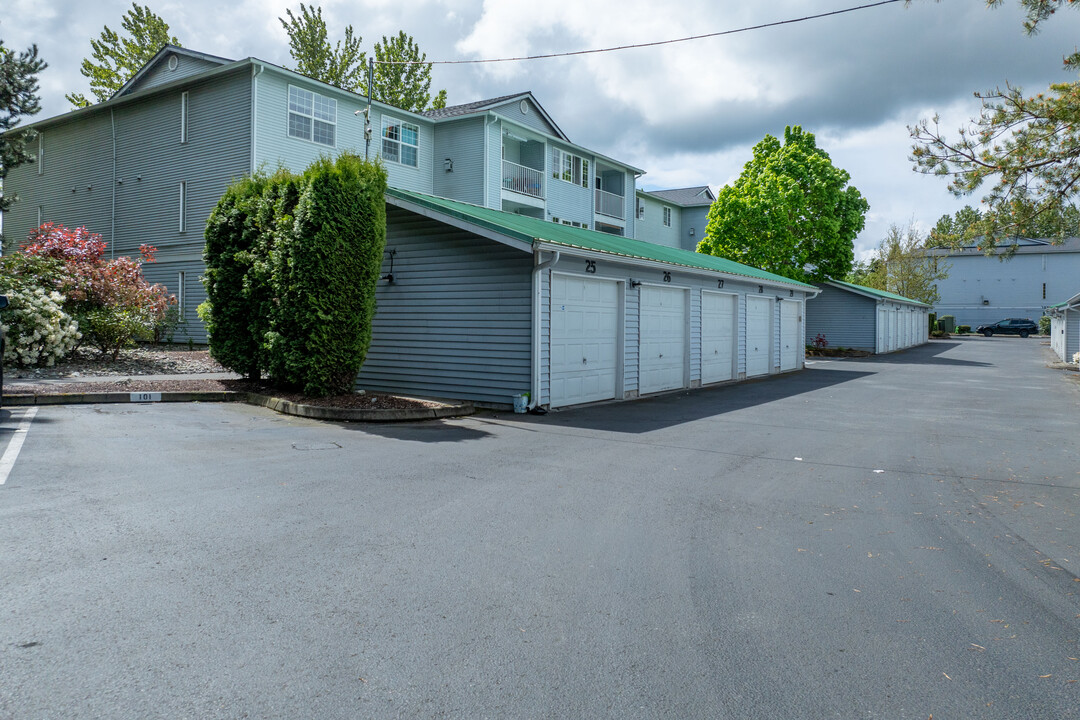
[(688, 113)]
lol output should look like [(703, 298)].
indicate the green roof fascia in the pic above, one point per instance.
[(536, 231), (883, 294)]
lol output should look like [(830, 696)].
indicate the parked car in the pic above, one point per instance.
[(1010, 326)]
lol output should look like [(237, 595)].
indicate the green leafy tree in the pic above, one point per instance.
[(969, 224), (18, 99), (341, 65), (790, 212), (402, 75), (1025, 148), (116, 57), (903, 266)]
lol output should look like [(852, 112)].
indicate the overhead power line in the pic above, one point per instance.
[(642, 45)]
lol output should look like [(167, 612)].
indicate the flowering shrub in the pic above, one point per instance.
[(36, 328), (110, 298), (820, 341)]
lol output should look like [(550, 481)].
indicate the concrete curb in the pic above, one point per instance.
[(285, 407)]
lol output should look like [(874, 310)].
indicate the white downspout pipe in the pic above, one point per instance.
[(537, 349)]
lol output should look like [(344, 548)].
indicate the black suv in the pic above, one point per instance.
[(1010, 326)]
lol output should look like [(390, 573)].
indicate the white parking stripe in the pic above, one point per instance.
[(15, 445)]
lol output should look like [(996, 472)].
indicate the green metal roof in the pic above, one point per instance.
[(883, 294), (535, 230)]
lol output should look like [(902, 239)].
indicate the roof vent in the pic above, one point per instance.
[(173, 62)]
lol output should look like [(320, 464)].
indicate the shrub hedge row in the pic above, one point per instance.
[(292, 262)]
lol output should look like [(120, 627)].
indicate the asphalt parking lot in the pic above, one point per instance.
[(894, 537)]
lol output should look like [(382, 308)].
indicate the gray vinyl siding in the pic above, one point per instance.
[(168, 274), (457, 320), (186, 66), (75, 186), (565, 200), (845, 319), (152, 162), (545, 337), (533, 118), (692, 227), (651, 228), (274, 148), (459, 142), (493, 198)]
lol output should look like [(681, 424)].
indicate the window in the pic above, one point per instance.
[(180, 283), (183, 206), (569, 167), (667, 217), (400, 141), (312, 117), (183, 117), (40, 154), (1044, 291)]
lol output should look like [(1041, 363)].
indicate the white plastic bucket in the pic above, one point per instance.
[(521, 403)]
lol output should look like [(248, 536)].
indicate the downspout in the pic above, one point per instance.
[(112, 212), (537, 349), (256, 71)]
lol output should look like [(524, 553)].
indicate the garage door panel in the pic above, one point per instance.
[(584, 339), (789, 335), (663, 339), (718, 336), (759, 313)]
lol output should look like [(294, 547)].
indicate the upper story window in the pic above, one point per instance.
[(312, 117), (569, 167), (400, 141), (667, 217), (183, 117)]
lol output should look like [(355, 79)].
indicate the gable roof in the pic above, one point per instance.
[(1020, 246), (483, 106), (528, 231), (873, 293), (159, 57), (685, 197)]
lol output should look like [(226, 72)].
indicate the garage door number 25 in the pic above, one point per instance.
[(590, 266)]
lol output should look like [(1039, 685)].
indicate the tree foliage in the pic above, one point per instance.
[(790, 212), (902, 265), (1025, 148), (402, 75), (968, 224), (341, 65), (116, 57), (18, 99)]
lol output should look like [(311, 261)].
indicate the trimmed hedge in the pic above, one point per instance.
[(292, 264)]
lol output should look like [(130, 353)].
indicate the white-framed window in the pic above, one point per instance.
[(183, 206), (569, 167), (400, 141), (181, 284), (183, 117), (312, 117), (667, 217), (40, 154)]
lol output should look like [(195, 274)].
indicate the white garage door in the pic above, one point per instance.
[(584, 339), (718, 336), (789, 335), (882, 330), (894, 329), (758, 335), (663, 339)]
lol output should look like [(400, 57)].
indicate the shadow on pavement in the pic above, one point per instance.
[(655, 413), (427, 431), (928, 354)]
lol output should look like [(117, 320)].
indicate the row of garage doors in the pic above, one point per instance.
[(587, 345), (900, 327)]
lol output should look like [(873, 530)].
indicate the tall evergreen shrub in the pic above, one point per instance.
[(325, 276)]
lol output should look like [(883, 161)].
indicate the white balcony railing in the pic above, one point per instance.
[(521, 179), (610, 204)]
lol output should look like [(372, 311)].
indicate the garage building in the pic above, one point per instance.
[(862, 318), (483, 305), (1065, 328)]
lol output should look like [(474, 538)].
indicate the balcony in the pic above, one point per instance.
[(523, 180), (610, 204)]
